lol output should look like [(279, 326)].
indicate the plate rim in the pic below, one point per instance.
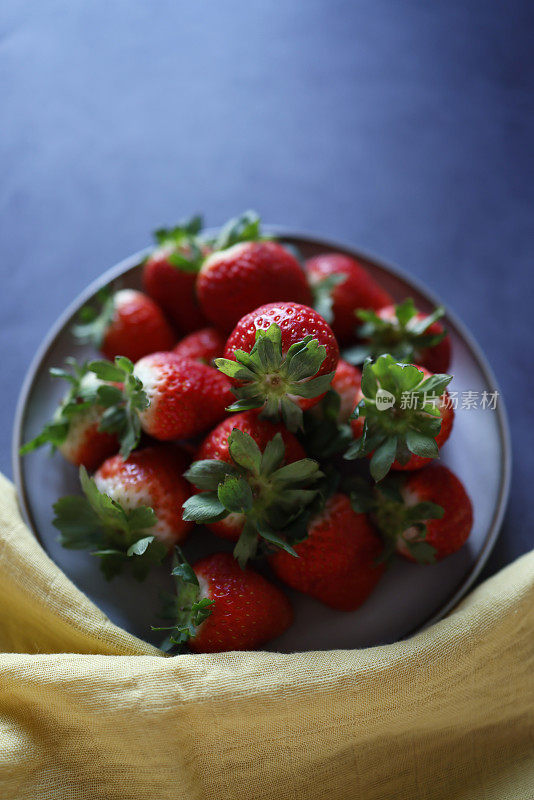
[(327, 244)]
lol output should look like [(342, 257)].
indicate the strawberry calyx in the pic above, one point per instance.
[(120, 403), (404, 335), (401, 412), (323, 435), (182, 244), (273, 381), (115, 535), (186, 607), (396, 519), (94, 320), (82, 395), (244, 228), (271, 496)]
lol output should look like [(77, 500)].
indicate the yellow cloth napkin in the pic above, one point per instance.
[(89, 712)]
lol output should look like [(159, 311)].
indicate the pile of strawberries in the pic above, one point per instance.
[(223, 402)]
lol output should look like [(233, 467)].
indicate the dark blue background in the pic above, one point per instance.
[(405, 128)]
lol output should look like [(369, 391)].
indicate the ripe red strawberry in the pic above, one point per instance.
[(170, 273), (151, 477), (216, 446), (406, 334), (403, 417), (338, 561), (130, 513), (233, 282), (204, 345), (425, 515), (75, 429), (185, 397), (129, 324), (282, 357), (255, 494), (219, 607), (436, 484), (341, 286)]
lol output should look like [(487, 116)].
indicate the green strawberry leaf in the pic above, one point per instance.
[(94, 321), (97, 523), (204, 507), (183, 244), (82, 395), (235, 495), (273, 539), (395, 518), (122, 405), (421, 445), (403, 336), (322, 295), (247, 544), (423, 552), (398, 418), (186, 609), (272, 381), (268, 494), (244, 228), (185, 229), (244, 451), (383, 458), (208, 473), (297, 472), (273, 455), (140, 547)]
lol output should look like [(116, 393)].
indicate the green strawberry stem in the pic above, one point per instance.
[(395, 519), (121, 404), (403, 337), (271, 497), (401, 414), (115, 535), (81, 396), (274, 382), (186, 608)]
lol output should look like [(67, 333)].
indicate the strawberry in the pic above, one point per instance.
[(338, 561), (129, 324), (216, 444), (254, 483), (204, 345), (341, 286), (235, 280), (131, 510), (425, 515), (219, 606), (282, 358), (164, 395), (405, 333), (170, 273), (185, 397), (76, 427), (403, 417)]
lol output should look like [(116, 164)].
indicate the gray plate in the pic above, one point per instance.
[(409, 596)]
